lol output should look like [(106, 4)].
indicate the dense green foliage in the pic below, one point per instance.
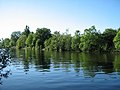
[(26, 31), (108, 36), (29, 40), (117, 41), (7, 43), (91, 40), (59, 42), (21, 41), (14, 37), (42, 35), (76, 41)]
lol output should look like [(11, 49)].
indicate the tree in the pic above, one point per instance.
[(107, 38), (6, 42), (29, 40), (47, 44), (38, 43), (42, 34), (76, 40), (21, 41), (53, 43), (66, 42), (89, 41), (116, 41), (59, 42), (26, 31), (14, 37), (34, 40), (1, 43), (56, 42)]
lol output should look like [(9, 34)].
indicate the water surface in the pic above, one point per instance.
[(36, 70)]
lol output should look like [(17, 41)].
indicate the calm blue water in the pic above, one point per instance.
[(61, 71)]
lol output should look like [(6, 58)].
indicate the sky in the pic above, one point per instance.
[(58, 15)]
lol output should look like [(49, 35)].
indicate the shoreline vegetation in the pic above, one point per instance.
[(92, 40)]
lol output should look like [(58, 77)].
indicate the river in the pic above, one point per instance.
[(43, 70)]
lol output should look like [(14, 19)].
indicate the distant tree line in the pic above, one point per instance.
[(90, 40)]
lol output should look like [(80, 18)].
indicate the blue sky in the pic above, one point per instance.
[(58, 15)]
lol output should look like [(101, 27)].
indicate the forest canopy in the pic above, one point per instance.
[(91, 40)]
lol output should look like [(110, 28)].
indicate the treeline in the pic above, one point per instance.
[(90, 40)]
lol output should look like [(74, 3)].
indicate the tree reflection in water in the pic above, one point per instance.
[(41, 62), (88, 64), (33, 57), (4, 63)]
